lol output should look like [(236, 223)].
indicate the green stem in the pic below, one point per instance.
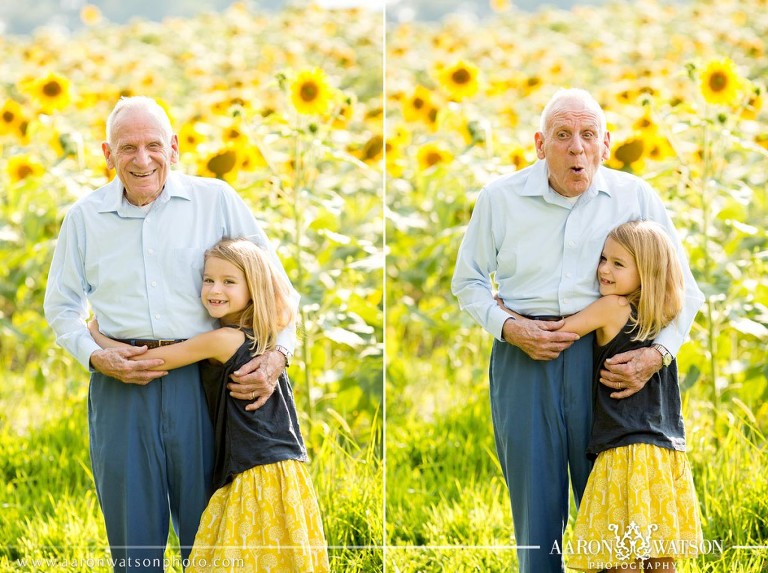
[(298, 222), (708, 278)]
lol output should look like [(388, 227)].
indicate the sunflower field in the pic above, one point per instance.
[(286, 107), (683, 86)]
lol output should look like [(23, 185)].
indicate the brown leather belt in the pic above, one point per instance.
[(148, 342)]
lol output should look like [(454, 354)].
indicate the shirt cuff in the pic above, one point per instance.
[(87, 348), (496, 319)]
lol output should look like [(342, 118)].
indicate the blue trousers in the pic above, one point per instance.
[(542, 417), (152, 459)]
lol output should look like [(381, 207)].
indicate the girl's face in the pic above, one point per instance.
[(617, 271), (225, 290)]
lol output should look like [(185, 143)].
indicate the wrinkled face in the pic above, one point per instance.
[(573, 147), (141, 153), (617, 271), (225, 291)]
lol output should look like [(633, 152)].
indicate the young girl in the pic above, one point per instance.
[(264, 514), (639, 507)]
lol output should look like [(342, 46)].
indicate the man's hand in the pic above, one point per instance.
[(539, 339), (628, 372), (257, 379), (114, 363)]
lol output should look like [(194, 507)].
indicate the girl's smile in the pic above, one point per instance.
[(617, 271), (225, 290)]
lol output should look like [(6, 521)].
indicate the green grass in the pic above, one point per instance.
[(447, 505), (50, 514)]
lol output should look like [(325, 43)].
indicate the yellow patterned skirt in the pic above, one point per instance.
[(267, 520), (639, 503)]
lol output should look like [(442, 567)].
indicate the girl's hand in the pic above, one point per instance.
[(629, 372)]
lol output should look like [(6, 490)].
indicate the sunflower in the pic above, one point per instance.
[(221, 164), (190, 136), (20, 167), (310, 92), (12, 118), (395, 163), (459, 80), (753, 105), (431, 154), (250, 158), (500, 5), (90, 15), (344, 112), (416, 107), (51, 93), (628, 154), (372, 150), (720, 82)]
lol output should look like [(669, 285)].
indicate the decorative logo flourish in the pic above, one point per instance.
[(633, 545)]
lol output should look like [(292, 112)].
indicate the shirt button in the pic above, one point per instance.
[(568, 275), (154, 283), (571, 243), (157, 316), (151, 251)]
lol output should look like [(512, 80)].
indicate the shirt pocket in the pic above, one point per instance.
[(187, 265)]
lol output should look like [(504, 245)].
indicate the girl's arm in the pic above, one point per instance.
[(219, 344), (607, 315)]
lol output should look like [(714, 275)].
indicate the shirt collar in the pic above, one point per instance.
[(112, 201)]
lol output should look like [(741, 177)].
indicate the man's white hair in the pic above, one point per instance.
[(572, 94), (143, 103)]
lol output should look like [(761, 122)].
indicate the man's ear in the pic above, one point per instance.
[(538, 139), (607, 146), (107, 151)]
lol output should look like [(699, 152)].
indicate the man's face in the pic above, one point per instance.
[(142, 155), (573, 147)]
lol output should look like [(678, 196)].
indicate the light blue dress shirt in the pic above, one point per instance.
[(544, 250), (141, 269)]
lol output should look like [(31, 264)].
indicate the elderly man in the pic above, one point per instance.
[(541, 231), (134, 250)]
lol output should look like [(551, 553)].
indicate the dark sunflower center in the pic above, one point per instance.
[(309, 91), (52, 89), (432, 158), (222, 163), (461, 76), (718, 82), (630, 151), (23, 171)]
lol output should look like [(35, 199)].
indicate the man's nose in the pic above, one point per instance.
[(143, 157), (577, 145)]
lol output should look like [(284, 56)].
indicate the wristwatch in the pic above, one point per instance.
[(287, 353), (666, 357)]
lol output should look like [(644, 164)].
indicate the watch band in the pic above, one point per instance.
[(285, 352), (666, 356)]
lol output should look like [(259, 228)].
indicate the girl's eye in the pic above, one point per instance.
[(207, 281), (602, 259)]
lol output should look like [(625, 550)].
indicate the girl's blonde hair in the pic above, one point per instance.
[(270, 309), (660, 297)]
